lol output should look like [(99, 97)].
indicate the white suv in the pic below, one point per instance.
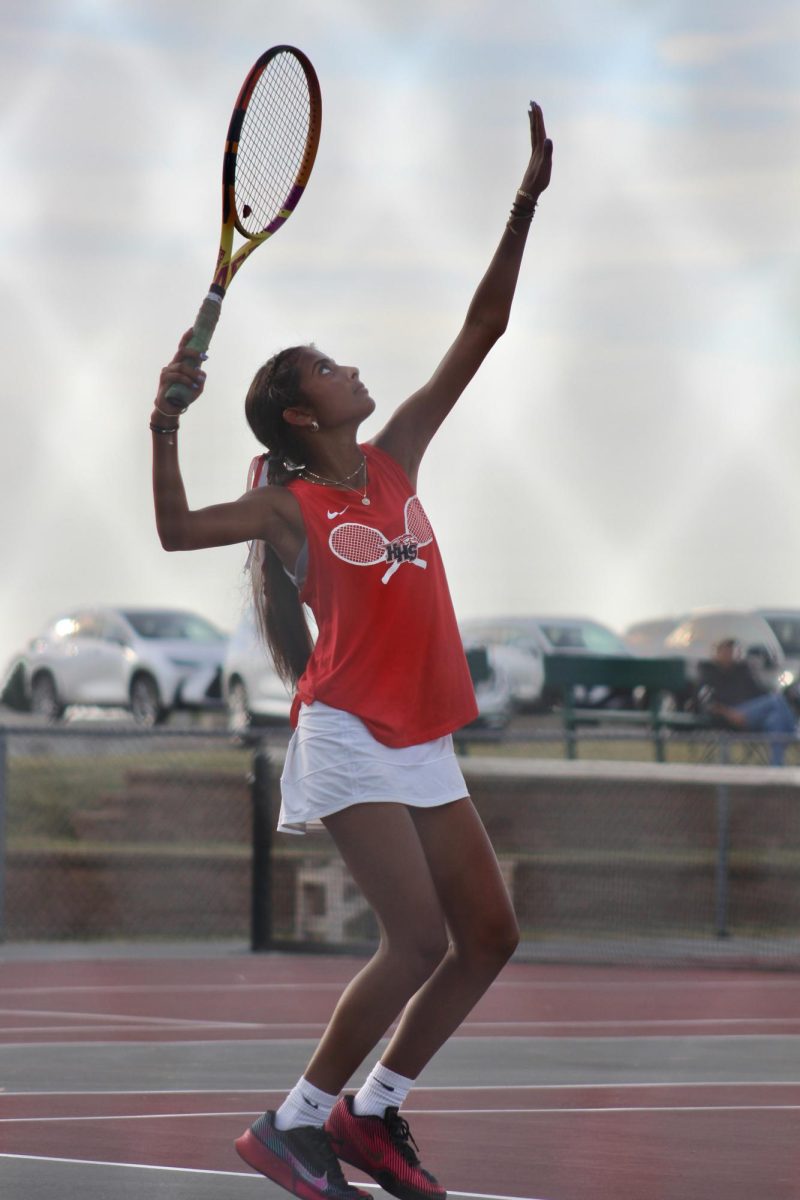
[(251, 686), (149, 661)]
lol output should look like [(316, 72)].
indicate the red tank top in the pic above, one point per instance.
[(388, 647)]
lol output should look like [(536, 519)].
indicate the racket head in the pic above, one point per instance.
[(359, 545), (417, 523), (272, 142)]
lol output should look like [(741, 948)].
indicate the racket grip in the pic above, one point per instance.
[(180, 394)]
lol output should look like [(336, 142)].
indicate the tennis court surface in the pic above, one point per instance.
[(128, 1073)]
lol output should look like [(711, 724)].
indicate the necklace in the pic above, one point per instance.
[(312, 477)]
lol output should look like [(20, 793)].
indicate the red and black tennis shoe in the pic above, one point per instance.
[(383, 1148), (300, 1160)]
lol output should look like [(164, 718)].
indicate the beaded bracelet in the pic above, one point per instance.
[(520, 212)]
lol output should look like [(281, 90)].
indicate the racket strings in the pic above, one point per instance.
[(358, 544), (417, 523), (273, 143)]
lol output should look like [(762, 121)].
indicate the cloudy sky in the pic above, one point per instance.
[(631, 447)]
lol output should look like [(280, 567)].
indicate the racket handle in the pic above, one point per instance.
[(204, 325)]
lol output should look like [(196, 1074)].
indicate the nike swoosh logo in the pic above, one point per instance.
[(388, 1086), (310, 1102), (318, 1181), (331, 515)]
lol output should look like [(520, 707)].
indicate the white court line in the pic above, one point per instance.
[(132, 1117), (111, 1023), (167, 1024), (291, 1039), (626, 1024), (450, 1087), (338, 985), (636, 1108), (579, 1023), (82, 1162), (126, 1018), (172, 988), (431, 1112)]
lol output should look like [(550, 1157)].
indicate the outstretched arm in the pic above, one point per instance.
[(411, 427)]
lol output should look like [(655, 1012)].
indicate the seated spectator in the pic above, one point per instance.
[(742, 702)]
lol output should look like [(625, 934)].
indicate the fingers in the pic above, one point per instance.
[(185, 371), (536, 117), (185, 351), (188, 356)]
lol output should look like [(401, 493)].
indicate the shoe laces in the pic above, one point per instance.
[(401, 1135)]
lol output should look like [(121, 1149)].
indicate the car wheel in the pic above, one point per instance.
[(44, 697), (145, 702), (240, 718)]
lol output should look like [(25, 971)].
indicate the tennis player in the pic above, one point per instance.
[(336, 525)]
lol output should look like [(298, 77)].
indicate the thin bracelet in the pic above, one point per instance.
[(161, 429), (176, 412)]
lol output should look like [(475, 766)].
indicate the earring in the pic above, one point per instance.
[(314, 427)]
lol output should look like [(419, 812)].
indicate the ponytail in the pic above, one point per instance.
[(280, 617)]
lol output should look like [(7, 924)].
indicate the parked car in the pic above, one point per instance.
[(255, 694), (147, 660), (646, 639), (505, 679), (695, 637), (532, 639), (785, 624), (252, 689)]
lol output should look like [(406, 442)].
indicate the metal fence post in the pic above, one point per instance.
[(3, 806), (261, 889), (721, 889)]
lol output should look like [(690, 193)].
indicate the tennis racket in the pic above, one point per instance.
[(269, 152)]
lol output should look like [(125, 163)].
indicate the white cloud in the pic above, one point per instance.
[(709, 48)]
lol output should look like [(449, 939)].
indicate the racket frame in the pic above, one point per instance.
[(228, 262)]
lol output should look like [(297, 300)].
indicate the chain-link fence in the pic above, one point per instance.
[(115, 833)]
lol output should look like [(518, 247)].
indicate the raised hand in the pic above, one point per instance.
[(184, 368), (537, 173)]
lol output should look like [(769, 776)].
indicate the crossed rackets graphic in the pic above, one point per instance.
[(364, 546)]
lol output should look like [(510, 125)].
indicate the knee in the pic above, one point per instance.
[(420, 951), (492, 941)]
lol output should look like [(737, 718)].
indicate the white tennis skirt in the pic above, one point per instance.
[(333, 761)]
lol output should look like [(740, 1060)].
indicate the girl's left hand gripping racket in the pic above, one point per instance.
[(269, 152)]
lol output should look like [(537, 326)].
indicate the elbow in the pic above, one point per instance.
[(491, 329), (172, 539)]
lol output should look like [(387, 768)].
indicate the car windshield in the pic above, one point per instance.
[(787, 631), (173, 626), (585, 636)]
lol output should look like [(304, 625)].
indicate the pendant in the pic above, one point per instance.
[(365, 500)]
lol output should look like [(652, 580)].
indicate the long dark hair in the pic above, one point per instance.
[(279, 614)]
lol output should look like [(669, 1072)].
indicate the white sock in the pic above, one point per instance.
[(305, 1105), (383, 1089)]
